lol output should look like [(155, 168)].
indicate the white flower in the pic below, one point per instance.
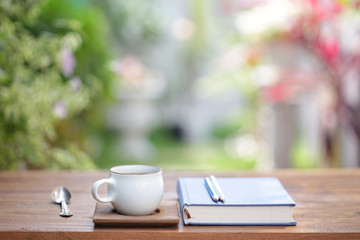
[(60, 110)]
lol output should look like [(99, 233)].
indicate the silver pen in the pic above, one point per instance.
[(217, 188), (211, 190)]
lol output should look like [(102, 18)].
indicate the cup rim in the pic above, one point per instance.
[(157, 170)]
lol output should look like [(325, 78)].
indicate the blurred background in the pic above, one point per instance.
[(184, 85)]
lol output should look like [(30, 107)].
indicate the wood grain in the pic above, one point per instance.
[(328, 207)]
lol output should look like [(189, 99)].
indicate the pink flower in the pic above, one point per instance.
[(325, 10), (328, 42), (75, 83), (131, 68), (329, 48), (68, 62)]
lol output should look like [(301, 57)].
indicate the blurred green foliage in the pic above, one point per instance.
[(178, 156), (302, 156), (37, 96), (135, 25)]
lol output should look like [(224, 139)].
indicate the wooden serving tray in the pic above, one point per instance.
[(166, 215)]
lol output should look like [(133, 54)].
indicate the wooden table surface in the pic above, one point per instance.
[(328, 207)]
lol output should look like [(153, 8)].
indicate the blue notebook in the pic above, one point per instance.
[(249, 201)]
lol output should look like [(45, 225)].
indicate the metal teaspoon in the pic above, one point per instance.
[(62, 195)]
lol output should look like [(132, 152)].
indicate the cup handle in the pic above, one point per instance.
[(95, 187)]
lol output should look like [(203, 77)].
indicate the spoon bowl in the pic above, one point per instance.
[(62, 195)]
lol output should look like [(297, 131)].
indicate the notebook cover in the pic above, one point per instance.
[(238, 192)]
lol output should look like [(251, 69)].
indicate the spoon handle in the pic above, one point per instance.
[(65, 210)]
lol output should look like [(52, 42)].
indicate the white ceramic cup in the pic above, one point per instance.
[(132, 189)]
